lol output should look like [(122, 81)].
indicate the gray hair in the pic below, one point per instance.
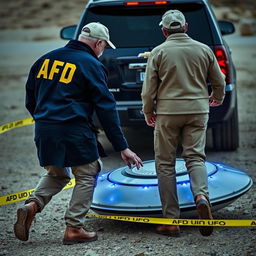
[(177, 30), (87, 38)]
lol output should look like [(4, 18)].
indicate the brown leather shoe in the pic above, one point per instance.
[(168, 230), (78, 235), (204, 212), (25, 217)]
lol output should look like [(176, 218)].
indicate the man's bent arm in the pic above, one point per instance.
[(105, 107), (149, 89)]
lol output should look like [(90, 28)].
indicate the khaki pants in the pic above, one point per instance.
[(57, 178), (191, 129)]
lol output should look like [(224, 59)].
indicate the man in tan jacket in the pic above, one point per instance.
[(176, 102)]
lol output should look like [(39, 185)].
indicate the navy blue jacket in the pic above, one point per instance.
[(67, 85)]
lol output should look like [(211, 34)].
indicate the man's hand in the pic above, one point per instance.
[(151, 121), (213, 102), (130, 158)]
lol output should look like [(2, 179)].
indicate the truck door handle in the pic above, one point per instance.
[(137, 65)]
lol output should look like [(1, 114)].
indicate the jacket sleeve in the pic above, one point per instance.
[(149, 88), (216, 78), (30, 101), (105, 107)]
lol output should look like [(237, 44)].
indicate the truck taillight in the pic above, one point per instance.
[(161, 2), (131, 3), (223, 61), (135, 3)]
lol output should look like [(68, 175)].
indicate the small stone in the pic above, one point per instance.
[(100, 229), (137, 240), (230, 209)]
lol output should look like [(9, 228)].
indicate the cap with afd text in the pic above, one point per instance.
[(172, 16), (98, 31)]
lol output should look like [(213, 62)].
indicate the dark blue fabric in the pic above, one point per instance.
[(66, 145), (65, 109)]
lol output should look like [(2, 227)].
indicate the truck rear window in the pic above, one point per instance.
[(139, 27)]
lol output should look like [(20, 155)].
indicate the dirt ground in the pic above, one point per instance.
[(20, 45)]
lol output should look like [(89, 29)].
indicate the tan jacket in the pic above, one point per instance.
[(176, 77)]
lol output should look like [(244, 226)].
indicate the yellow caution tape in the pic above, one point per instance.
[(16, 124), (23, 195), (16, 197), (182, 222)]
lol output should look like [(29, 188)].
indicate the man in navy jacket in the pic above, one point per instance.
[(64, 88)]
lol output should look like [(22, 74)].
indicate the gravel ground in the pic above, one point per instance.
[(20, 171)]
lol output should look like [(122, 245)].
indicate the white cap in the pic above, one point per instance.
[(172, 16), (98, 31)]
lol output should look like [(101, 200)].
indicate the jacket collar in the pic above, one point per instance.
[(78, 45), (177, 36)]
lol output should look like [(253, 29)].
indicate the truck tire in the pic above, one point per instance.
[(226, 134)]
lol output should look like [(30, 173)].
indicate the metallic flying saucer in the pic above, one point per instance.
[(134, 192)]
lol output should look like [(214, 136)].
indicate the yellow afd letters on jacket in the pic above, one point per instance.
[(67, 72)]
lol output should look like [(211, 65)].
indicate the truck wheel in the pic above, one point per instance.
[(226, 134)]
